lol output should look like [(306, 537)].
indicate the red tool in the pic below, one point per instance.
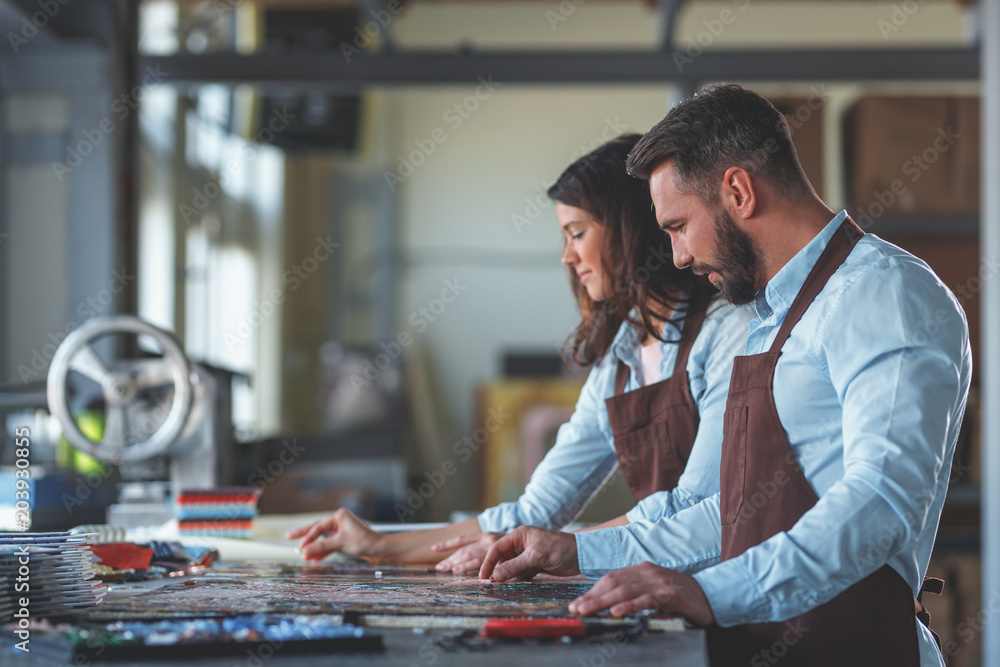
[(533, 628)]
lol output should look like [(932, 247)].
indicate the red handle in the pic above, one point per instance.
[(533, 628)]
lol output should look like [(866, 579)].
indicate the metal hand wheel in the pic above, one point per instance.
[(137, 426)]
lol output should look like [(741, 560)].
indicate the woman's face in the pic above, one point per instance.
[(582, 252)]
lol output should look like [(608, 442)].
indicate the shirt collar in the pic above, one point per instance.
[(779, 293), (625, 345)]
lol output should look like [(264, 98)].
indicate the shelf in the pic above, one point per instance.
[(921, 225)]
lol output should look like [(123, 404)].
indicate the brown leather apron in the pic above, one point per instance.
[(654, 426), (764, 492)]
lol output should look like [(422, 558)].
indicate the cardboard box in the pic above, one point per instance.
[(968, 162), (955, 615), (805, 120), (956, 260), (913, 155)]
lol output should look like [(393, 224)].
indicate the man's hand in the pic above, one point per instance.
[(470, 555), (527, 550), (346, 531), (646, 586)]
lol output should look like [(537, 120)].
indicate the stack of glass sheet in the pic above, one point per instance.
[(46, 574)]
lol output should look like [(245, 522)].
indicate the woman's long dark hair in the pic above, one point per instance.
[(635, 255)]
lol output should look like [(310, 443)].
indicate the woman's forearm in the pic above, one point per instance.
[(415, 546)]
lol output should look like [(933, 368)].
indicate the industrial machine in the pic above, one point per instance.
[(164, 417)]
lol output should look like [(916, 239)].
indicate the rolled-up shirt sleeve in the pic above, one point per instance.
[(688, 541)]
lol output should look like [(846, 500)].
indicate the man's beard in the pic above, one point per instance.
[(739, 261)]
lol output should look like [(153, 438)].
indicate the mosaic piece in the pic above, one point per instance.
[(262, 635), (282, 588)]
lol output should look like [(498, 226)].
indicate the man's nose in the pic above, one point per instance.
[(682, 258)]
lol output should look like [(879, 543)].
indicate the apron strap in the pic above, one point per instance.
[(621, 377), (836, 251), (931, 585), (689, 332)]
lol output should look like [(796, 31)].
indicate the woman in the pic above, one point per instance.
[(661, 349)]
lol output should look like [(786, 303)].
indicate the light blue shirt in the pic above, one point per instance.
[(870, 388), (583, 457)]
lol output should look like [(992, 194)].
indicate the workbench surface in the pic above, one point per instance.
[(424, 618), (404, 648)]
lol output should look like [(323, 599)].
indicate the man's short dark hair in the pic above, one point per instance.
[(722, 126)]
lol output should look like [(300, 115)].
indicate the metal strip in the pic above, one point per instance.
[(334, 70), (989, 367)]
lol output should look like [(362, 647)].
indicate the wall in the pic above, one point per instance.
[(458, 210)]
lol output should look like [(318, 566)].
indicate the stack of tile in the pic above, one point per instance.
[(46, 574), (219, 512)]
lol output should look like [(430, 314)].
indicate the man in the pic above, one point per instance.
[(839, 430)]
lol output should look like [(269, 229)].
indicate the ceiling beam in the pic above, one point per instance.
[(357, 70)]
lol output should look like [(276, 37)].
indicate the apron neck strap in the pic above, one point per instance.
[(689, 332), (836, 251), (621, 377)]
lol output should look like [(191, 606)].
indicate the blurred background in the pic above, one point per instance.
[(338, 208)]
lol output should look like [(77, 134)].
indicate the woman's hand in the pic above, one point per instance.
[(341, 531), (470, 555)]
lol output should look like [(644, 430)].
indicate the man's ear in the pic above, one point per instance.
[(738, 194)]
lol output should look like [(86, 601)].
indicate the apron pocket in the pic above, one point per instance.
[(734, 463)]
